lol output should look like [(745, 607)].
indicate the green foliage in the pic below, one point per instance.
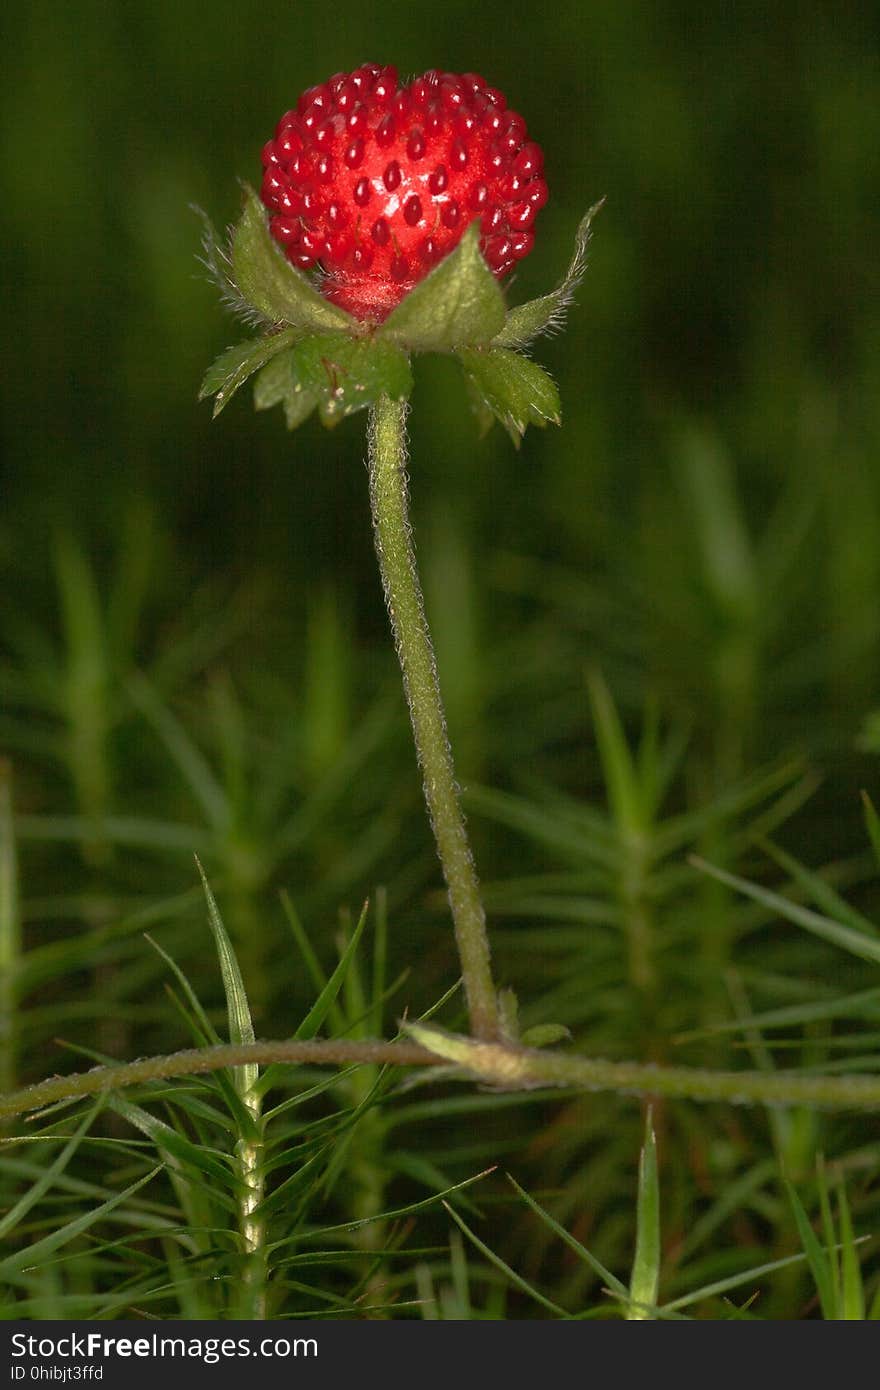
[(659, 633)]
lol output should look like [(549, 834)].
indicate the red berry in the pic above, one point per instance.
[(377, 182)]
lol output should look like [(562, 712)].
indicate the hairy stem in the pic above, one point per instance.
[(397, 563), (498, 1064)]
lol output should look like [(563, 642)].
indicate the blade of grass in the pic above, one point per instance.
[(846, 938), (30, 1258), (646, 1262), (496, 1260)]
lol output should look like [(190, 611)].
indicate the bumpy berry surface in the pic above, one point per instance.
[(375, 183)]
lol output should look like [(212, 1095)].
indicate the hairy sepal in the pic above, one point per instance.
[(270, 283), (547, 314), (459, 304)]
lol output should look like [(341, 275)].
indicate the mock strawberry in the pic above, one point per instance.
[(375, 183)]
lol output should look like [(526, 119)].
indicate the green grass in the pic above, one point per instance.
[(658, 636)]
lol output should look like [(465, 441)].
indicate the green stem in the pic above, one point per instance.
[(498, 1064), (249, 1162), (400, 580)]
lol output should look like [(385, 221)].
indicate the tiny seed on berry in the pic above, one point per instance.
[(412, 211), (346, 96), (311, 241), (300, 168), (324, 168), (498, 249), (434, 119), (290, 202), (354, 152), (479, 197), (451, 95), (415, 145), (386, 82), (362, 192), (336, 246), (285, 229), (273, 185), (399, 268), (458, 155), (391, 176), (336, 214), (521, 216), (379, 232), (451, 214), (306, 100), (385, 132), (522, 243), (439, 180), (362, 257), (492, 220), (356, 121), (529, 161), (511, 185)]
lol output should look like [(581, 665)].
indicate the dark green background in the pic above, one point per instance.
[(733, 278)]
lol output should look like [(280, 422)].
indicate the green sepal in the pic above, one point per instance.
[(233, 367), (458, 305), (537, 316), (348, 374), (279, 384), (271, 284), (516, 390)]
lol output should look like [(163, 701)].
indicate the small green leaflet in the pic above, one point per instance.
[(334, 372), (279, 384), (516, 390), (350, 373), (233, 367)]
